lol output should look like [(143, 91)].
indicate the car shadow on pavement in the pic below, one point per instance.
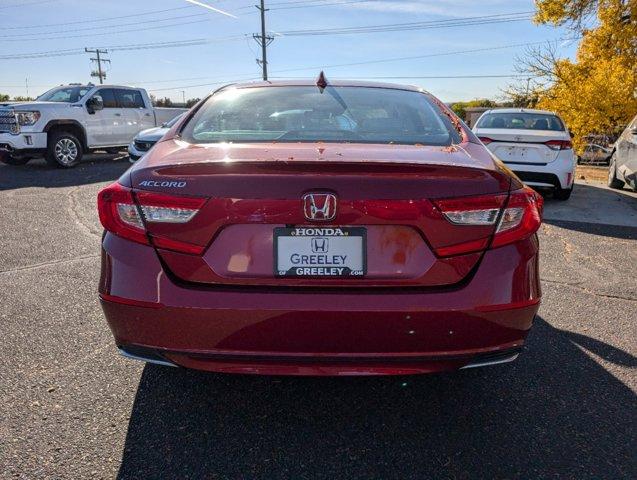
[(602, 229), (596, 210), (555, 412), (37, 173)]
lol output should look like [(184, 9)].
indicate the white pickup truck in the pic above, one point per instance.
[(70, 120)]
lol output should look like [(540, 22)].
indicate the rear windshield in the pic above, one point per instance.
[(523, 121), (305, 114)]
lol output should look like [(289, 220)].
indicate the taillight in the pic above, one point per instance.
[(481, 210), (559, 144), (119, 214), (486, 140), (125, 214), (520, 218)]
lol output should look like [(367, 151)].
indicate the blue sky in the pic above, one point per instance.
[(229, 52)]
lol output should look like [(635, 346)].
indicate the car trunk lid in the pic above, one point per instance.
[(521, 146), (255, 198)]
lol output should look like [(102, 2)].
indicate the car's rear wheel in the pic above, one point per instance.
[(16, 161), (563, 193), (64, 150), (613, 181)]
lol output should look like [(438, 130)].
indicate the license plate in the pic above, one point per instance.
[(517, 152), (320, 251)]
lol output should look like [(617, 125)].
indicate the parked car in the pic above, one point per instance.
[(67, 121), (595, 155), (145, 139), (535, 144), (366, 231), (623, 163)]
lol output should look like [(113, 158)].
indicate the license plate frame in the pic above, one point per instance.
[(338, 233)]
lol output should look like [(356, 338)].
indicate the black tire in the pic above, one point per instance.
[(563, 193), (613, 181), (64, 150), (16, 161)]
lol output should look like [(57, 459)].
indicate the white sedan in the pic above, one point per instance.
[(535, 144)]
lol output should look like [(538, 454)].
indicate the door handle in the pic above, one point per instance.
[(118, 114), (147, 114)]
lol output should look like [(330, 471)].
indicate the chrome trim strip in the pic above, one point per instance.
[(492, 362), (166, 363)]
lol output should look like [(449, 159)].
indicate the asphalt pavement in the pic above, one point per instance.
[(72, 408)]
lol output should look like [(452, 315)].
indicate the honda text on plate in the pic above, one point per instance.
[(315, 228), (535, 144)]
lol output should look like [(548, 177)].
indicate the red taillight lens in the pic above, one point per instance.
[(125, 214), (520, 218), (119, 214), (486, 140), (559, 144), (482, 211)]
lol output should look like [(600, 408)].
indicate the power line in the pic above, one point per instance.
[(416, 57), (419, 77), (93, 20), (26, 4), (481, 20), (125, 47), (39, 38), (316, 67), (307, 4), (385, 60), (92, 28)]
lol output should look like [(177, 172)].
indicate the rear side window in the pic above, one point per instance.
[(307, 114), (522, 121), (130, 99), (108, 97)]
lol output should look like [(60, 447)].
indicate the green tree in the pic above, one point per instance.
[(460, 108), (595, 93), (4, 97), (192, 101)]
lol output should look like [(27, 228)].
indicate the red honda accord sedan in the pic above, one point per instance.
[(304, 228)]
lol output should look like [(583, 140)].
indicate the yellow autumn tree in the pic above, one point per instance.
[(596, 93)]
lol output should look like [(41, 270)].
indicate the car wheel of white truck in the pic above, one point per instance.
[(64, 150)]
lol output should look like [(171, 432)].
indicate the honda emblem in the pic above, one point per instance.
[(319, 207)]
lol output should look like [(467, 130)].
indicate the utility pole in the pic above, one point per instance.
[(263, 40), (183, 96), (100, 72)]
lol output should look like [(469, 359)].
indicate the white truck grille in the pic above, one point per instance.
[(8, 122)]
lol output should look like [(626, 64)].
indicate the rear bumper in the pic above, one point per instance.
[(557, 174), (327, 332)]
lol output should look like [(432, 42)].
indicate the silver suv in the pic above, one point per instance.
[(623, 162)]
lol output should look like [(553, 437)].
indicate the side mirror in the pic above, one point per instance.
[(94, 104), (164, 125), (633, 130)]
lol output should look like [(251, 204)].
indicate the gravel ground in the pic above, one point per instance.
[(72, 408)]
